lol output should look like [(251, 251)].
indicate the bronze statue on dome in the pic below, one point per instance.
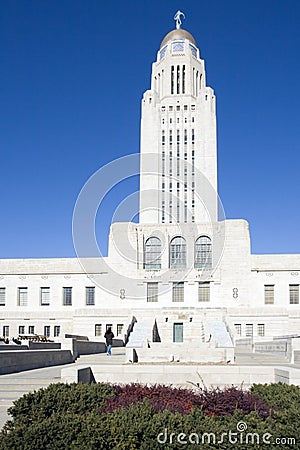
[(177, 19)]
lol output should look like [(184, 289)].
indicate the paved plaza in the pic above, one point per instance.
[(13, 386)]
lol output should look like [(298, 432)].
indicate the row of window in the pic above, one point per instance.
[(99, 331), (185, 137), (178, 292), (56, 330), (177, 254), (163, 121), (249, 329), (22, 298), (269, 291), (177, 108), (31, 330), (153, 261), (204, 292)]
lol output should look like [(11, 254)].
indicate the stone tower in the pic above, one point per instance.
[(178, 173)]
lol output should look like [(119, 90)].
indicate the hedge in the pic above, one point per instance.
[(101, 416)]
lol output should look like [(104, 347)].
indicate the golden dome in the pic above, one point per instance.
[(177, 34)]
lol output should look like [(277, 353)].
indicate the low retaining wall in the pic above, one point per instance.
[(87, 347), (118, 343), (159, 352), (11, 362), (276, 347), (91, 347), (175, 374), (76, 336), (12, 347), (44, 345), (243, 344), (288, 375)]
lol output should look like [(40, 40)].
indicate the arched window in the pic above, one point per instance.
[(203, 254), (178, 253), (152, 256)]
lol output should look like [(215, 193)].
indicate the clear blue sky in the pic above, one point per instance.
[(72, 76)]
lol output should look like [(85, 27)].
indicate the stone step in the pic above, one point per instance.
[(21, 381), (23, 387)]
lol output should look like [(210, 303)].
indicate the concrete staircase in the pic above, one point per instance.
[(13, 386), (142, 331), (219, 334)]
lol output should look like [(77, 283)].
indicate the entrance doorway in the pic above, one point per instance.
[(178, 332)]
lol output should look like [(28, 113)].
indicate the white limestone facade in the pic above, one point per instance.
[(254, 295), (180, 270)]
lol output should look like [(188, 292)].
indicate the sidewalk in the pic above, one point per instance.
[(13, 386)]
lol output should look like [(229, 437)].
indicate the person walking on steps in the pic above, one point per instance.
[(109, 335)]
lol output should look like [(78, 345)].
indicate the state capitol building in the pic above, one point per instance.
[(183, 273)]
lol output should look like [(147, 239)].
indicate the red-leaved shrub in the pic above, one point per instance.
[(212, 402)]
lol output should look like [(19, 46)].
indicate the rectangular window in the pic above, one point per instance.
[(108, 325), (260, 329), (22, 296), (47, 330), (5, 331), (193, 136), (67, 296), (172, 80), (163, 138), (21, 329), (31, 329), (238, 329), (56, 330), (183, 79), (269, 294), (204, 292), (249, 329), (170, 137), (45, 296), (90, 295), (178, 332), (185, 137), (152, 292), (98, 329), (178, 292), (294, 294), (2, 296), (120, 327)]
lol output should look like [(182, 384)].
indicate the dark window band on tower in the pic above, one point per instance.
[(183, 79), (178, 79), (172, 79)]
